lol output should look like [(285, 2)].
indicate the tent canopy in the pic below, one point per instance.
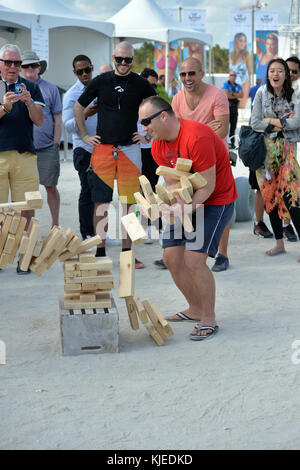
[(144, 19), (52, 14)]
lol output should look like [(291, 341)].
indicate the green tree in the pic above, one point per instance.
[(220, 59), (144, 57)]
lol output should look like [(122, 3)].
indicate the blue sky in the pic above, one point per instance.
[(216, 10)]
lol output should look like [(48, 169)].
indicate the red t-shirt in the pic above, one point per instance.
[(205, 148)]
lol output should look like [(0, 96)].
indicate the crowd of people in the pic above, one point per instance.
[(124, 124)]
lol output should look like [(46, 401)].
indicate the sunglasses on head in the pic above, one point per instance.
[(293, 71), (146, 121), (184, 74), (8, 63), (86, 70), (33, 66), (127, 60)]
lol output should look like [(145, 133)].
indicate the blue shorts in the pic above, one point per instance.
[(215, 220)]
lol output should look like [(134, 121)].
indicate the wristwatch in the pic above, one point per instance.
[(4, 108)]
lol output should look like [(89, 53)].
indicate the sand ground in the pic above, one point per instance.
[(238, 390)]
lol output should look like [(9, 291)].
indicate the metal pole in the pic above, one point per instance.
[(167, 64), (252, 54)]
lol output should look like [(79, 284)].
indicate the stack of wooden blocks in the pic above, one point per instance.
[(149, 314), (187, 184), (13, 236)]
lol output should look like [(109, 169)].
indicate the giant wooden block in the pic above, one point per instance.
[(147, 189), (140, 309), (186, 184), (4, 258), (172, 173), (150, 210), (33, 233), (197, 181), (134, 229), (133, 319), (18, 237), (34, 199), (166, 196), (103, 300), (89, 243), (153, 317), (5, 229), (183, 164), (127, 274), (9, 244), (154, 334), (14, 224)]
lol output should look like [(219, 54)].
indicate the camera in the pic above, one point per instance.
[(18, 88)]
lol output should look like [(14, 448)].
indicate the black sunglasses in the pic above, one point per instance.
[(184, 74), (86, 70), (293, 71), (232, 74), (33, 66), (8, 63), (127, 60), (146, 121)]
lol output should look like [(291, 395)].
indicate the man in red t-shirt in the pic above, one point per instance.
[(184, 256)]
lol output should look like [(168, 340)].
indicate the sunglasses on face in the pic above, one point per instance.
[(86, 70), (294, 72), (8, 63), (146, 121), (32, 66), (232, 75), (127, 60), (184, 74)]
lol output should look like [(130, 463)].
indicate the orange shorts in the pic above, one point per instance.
[(109, 163)]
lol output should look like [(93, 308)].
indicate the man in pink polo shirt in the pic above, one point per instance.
[(207, 104)]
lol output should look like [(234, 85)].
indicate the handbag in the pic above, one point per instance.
[(252, 148)]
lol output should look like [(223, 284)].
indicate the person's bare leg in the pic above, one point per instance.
[(259, 206), (101, 221), (223, 245), (174, 260), (204, 284), (53, 200)]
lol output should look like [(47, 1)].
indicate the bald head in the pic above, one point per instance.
[(124, 47), (193, 62), (105, 68)]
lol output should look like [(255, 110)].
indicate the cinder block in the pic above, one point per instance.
[(96, 331)]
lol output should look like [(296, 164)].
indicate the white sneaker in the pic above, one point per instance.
[(149, 241), (112, 241)]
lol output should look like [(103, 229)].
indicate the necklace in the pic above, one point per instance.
[(120, 89)]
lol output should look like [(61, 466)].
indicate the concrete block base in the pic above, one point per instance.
[(89, 331)]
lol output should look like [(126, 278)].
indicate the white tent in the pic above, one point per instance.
[(70, 33), (143, 20)]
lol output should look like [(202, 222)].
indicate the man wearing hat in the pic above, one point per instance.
[(46, 137), (21, 104)]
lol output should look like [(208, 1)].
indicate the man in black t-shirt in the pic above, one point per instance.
[(119, 94)]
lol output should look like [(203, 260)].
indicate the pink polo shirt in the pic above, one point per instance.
[(213, 103)]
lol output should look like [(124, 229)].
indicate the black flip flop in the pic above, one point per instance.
[(182, 317), (196, 337)]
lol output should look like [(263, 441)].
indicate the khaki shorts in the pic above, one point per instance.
[(19, 173)]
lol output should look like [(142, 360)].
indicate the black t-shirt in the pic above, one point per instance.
[(119, 98)]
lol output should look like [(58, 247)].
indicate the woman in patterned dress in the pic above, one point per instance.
[(276, 112)]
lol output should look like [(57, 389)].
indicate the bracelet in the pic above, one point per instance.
[(4, 108), (31, 104), (85, 137)]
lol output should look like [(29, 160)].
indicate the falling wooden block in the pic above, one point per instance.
[(197, 181), (89, 243), (154, 334), (187, 223), (38, 268), (130, 305), (5, 229), (184, 195), (18, 237), (38, 248), (74, 244), (34, 199), (166, 196), (24, 244), (147, 189), (169, 172), (140, 309), (134, 229), (15, 206), (183, 164), (33, 233), (14, 224), (164, 323), (152, 315), (127, 274), (185, 183), (4, 258), (151, 210), (9, 244), (65, 255)]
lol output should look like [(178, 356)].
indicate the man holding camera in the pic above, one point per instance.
[(21, 106)]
